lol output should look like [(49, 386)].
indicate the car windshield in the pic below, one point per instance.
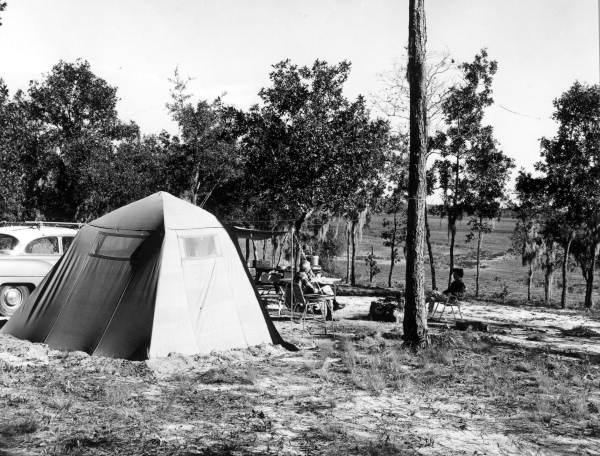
[(7, 243)]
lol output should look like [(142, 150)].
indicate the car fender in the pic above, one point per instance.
[(23, 271)]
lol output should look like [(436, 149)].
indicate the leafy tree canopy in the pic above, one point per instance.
[(309, 148)]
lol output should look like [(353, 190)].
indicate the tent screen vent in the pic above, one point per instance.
[(117, 246), (204, 246)]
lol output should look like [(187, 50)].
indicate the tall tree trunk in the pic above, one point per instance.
[(479, 238), (453, 218), (415, 310), (353, 256), (254, 255), (565, 263), (549, 274), (430, 251), (452, 241), (589, 284), (393, 249), (274, 244), (347, 253), (195, 187), (247, 250), (529, 276), (371, 268), (589, 281), (297, 227), (300, 221), (548, 282)]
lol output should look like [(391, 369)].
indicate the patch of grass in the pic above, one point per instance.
[(436, 355), (19, 427), (116, 395), (79, 441), (228, 375), (59, 402), (15, 400)]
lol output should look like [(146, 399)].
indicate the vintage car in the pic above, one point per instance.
[(27, 253)]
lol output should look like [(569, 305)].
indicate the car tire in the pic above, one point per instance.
[(8, 306)]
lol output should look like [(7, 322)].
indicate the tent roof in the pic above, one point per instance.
[(160, 208)]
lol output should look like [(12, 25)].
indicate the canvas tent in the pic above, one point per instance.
[(159, 275)]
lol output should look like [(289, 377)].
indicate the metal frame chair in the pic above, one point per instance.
[(304, 304), (452, 301)]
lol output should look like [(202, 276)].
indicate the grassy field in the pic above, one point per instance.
[(502, 274)]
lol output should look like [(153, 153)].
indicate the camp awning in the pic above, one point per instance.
[(257, 235)]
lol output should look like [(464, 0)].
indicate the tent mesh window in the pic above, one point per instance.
[(204, 246), (117, 246)]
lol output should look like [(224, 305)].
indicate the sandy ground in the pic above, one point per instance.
[(568, 331), (524, 388)]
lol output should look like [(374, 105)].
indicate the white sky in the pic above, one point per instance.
[(542, 46)]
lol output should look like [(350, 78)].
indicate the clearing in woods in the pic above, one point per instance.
[(528, 385)]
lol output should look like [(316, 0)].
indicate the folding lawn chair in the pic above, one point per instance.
[(452, 301), (307, 305)]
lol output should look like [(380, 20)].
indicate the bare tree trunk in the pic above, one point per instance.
[(392, 248), (529, 276), (297, 227), (254, 255), (371, 268), (415, 310), (247, 250), (548, 282), (479, 238), (274, 245), (195, 187), (548, 274), (452, 242), (565, 279), (430, 251), (452, 219), (589, 281), (300, 221), (347, 253), (589, 287), (353, 256)]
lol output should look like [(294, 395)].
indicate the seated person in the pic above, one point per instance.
[(307, 279), (455, 291)]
